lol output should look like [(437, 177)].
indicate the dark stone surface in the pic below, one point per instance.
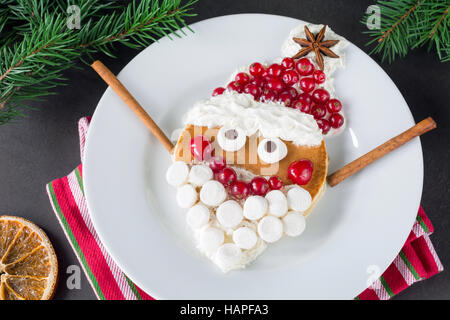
[(44, 146)]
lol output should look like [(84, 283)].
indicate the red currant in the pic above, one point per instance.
[(240, 190), (305, 97), (319, 76), (268, 95), (259, 186), (334, 105), (300, 172), (324, 125), (336, 120), (201, 148), (218, 91), (302, 106), (275, 84), (286, 98), (304, 67), (256, 69), (275, 70), (235, 86), (275, 183), (290, 77), (217, 163), (259, 82), (242, 78), (253, 89), (318, 111), (320, 96), (293, 92), (288, 63), (307, 84), (227, 176)]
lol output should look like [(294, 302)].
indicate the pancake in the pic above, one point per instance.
[(250, 161)]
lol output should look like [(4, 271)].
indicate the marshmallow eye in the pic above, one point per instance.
[(231, 139), (272, 150)]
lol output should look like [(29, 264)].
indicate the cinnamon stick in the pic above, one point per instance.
[(134, 105), (392, 144)]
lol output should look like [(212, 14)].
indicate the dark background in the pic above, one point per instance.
[(44, 146)]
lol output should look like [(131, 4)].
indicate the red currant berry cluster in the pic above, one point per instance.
[(240, 189), (296, 84)]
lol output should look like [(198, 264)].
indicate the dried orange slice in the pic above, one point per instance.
[(28, 264)]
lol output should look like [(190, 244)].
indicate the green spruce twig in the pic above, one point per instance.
[(43, 47), (408, 24)]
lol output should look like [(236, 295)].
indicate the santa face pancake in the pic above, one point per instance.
[(251, 162)]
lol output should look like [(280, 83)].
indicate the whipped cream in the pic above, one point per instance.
[(270, 119)]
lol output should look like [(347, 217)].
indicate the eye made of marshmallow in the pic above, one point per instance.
[(231, 139), (272, 150)]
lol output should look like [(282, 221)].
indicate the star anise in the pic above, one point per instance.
[(315, 43)]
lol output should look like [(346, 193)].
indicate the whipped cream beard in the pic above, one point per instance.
[(234, 232)]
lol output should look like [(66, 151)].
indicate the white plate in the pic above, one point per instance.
[(356, 229)]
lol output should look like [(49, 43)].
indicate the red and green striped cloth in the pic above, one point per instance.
[(416, 261)]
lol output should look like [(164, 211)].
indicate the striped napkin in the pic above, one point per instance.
[(416, 261)]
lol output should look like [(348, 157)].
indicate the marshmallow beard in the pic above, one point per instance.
[(233, 233)]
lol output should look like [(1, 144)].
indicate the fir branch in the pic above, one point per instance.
[(400, 20), (43, 48), (408, 24), (432, 27), (390, 39)]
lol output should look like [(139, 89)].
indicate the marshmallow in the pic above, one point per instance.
[(197, 216), (270, 229), (213, 193), (278, 205), (199, 174), (294, 224), (245, 238), (229, 214), (186, 196), (177, 173), (210, 239), (228, 255), (255, 207), (299, 199)]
